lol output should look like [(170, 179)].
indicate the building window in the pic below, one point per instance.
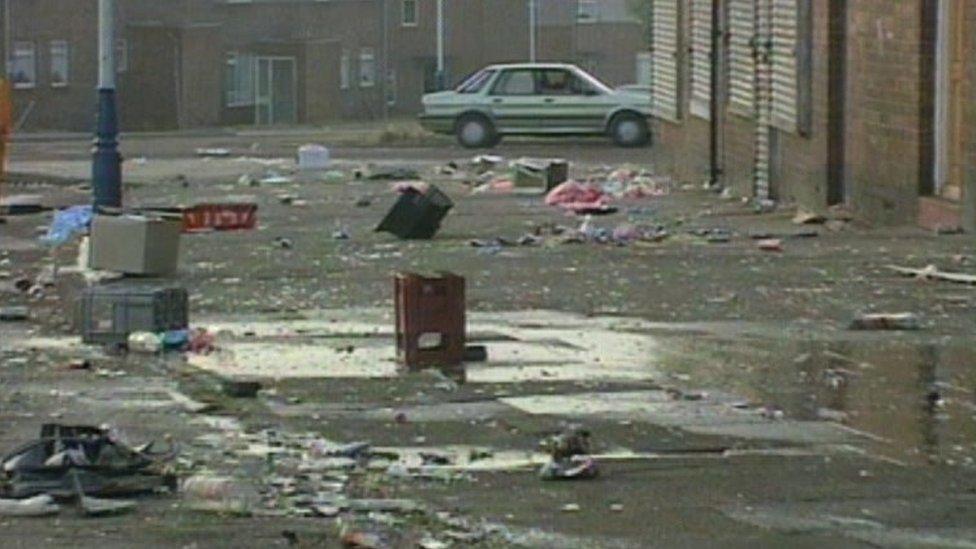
[(59, 63), (587, 11), (121, 55), (239, 79), (344, 70), (23, 67), (391, 87), (367, 68), (409, 13)]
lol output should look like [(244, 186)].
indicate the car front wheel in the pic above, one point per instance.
[(475, 132), (629, 130)]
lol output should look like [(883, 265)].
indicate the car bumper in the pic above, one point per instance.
[(437, 123)]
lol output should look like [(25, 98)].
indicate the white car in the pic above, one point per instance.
[(537, 99)]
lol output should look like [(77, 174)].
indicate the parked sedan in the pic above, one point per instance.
[(537, 99)]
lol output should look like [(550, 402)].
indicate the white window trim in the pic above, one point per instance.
[(67, 63), (403, 13), (237, 101), (33, 51)]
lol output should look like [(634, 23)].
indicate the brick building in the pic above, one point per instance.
[(201, 63), (822, 102)]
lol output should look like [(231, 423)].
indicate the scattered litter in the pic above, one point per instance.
[(38, 506), (932, 272), (14, 314), (67, 223), (770, 245), (313, 157), (393, 174), (571, 508), (213, 152), (885, 321), (97, 507), (569, 452), (417, 213), (220, 494), (284, 243), (579, 198), (808, 218), (144, 342)]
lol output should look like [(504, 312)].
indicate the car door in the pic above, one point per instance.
[(572, 104), (514, 101)]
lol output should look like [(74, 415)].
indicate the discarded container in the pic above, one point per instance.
[(135, 244), (417, 215), (144, 342), (542, 173), (900, 321), (220, 494), (430, 319), (313, 157), (107, 314)]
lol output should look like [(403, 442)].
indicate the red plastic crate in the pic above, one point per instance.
[(220, 217), (430, 319)]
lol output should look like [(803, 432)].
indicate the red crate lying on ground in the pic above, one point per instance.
[(229, 216), (430, 319), (220, 217)]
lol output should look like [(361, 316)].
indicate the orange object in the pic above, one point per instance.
[(430, 319)]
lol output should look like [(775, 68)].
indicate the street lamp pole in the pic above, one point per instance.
[(106, 161), (441, 84)]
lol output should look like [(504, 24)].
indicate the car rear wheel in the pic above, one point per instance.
[(475, 131), (629, 130)]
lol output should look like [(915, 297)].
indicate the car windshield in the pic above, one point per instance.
[(476, 82), (595, 83)]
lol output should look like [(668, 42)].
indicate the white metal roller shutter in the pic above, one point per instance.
[(664, 54), (785, 49), (742, 60), (701, 58)]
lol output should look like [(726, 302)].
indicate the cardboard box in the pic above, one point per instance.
[(135, 244)]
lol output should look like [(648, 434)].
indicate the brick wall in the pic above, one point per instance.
[(889, 101)]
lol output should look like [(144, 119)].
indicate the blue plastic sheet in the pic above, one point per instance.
[(67, 223)]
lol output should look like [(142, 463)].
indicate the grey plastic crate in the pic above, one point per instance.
[(107, 314)]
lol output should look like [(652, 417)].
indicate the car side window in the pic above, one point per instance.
[(515, 82), (559, 82)]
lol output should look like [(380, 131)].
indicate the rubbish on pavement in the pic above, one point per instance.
[(97, 507), (569, 451), (571, 508), (430, 319), (932, 272), (770, 245), (108, 313), (387, 173), (274, 178), (220, 494), (22, 204), (38, 506), (363, 540), (543, 174), (241, 388), (104, 466), (67, 223), (808, 218), (213, 152), (416, 214), (574, 468), (284, 243), (580, 198), (144, 342), (313, 157), (886, 321), (14, 314), (215, 216), (135, 244)]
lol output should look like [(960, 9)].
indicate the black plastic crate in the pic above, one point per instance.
[(417, 215), (107, 314)]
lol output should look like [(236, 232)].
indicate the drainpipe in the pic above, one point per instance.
[(717, 99), (440, 45), (532, 31), (106, 161)]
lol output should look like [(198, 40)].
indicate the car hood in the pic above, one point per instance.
[(438, 97)]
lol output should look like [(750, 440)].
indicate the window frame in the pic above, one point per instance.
[(15, 53), (591, 16), (506, 75), (234, 59), (364, 55), (66, 52), (345, 70), (416, 13)]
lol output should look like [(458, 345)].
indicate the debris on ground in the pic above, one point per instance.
[(213, 152), (580, 198), (770, 245), (570, 455), (932, 272), (104, 465), (98, 507), (394, 173), (14, 314), (284, 243), (67, 223), (808, 218), (887, 321), (417, 213), (38, 506)]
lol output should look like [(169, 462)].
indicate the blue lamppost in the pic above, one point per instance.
[(106, 161)]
